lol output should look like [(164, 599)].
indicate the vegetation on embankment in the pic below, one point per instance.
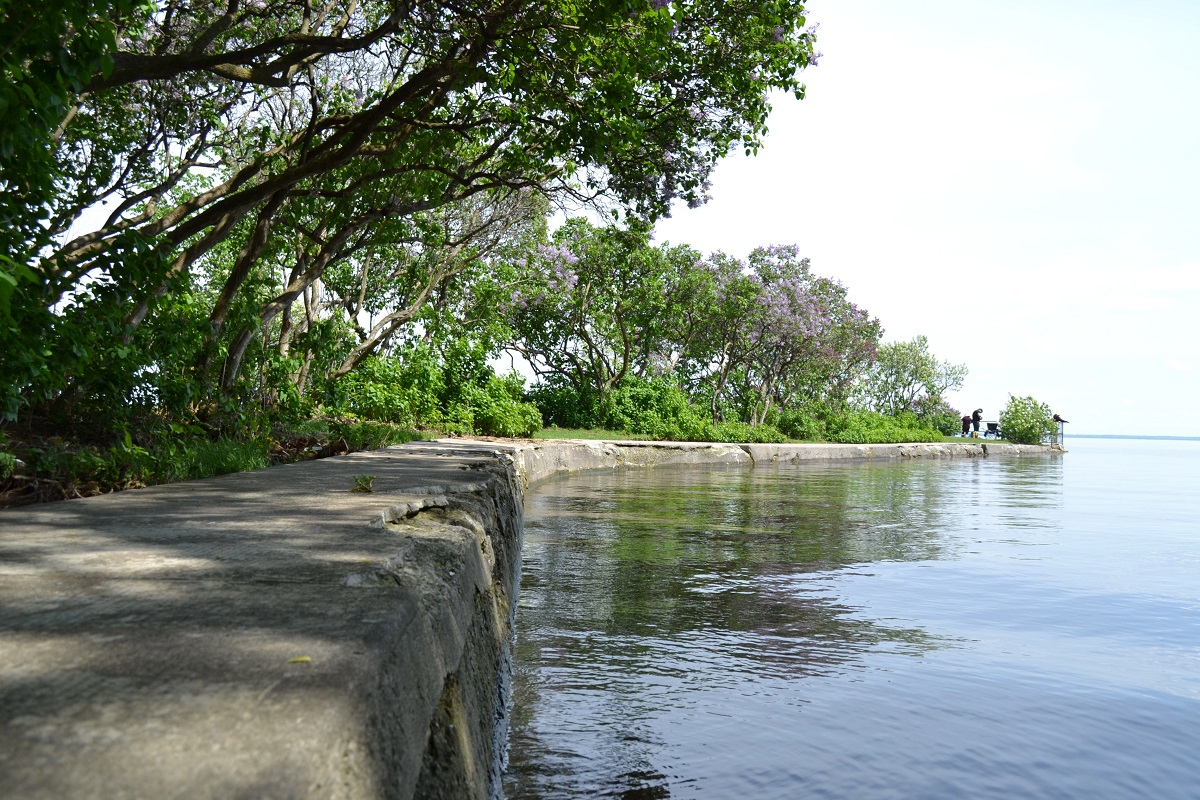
[(37, 468)]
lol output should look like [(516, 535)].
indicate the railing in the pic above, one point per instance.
[(1057, 436)]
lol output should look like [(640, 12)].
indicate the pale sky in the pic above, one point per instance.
[(1018, 181)]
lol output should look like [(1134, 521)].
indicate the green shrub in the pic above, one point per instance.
[(387, 390), (563, 406), (460, 395), (1026, 421), (497, 409), (936, 413), (741, 432), (872, 427), (365, 434), (800, 423), (656, 407)]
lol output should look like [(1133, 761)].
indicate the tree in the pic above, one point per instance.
[(776, 334), (1026, 421), (48, 55), (907, 375), (597, 305), (269, 125)]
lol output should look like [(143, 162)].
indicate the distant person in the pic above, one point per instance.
[(1059, 419), (976, 418), (966, 421)]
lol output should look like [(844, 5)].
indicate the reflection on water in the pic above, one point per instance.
[(937, 629)]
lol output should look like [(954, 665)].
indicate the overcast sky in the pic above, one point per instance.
[(1018, 181)]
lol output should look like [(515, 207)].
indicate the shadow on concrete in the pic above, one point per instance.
[(200, 639)]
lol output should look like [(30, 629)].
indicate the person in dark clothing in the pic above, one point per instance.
[(966, 421), (976, 418)]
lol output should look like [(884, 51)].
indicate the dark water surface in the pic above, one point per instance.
[(993, 628)]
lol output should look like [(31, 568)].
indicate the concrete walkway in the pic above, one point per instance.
[(264, 634)]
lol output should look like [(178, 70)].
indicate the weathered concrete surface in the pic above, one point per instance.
[(792, 453), (150, 640), (273, 634)]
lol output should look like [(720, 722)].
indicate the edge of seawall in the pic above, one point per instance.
[(273, 633), (545, 458)]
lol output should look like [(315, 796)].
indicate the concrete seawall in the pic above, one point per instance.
[(552, 457), (275, 634)]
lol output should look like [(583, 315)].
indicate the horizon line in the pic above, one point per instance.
[(1128, 436)]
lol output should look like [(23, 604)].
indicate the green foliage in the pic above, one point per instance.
[(364, 434), (126, 464), (736, 431), (857, 426), (498, 410), (49, 53), (390, 390), (364, 483), (563, 405), (264, 201), (871, 427), (175, 452), (1026, 421), (459, 393), (8, 464), (203, 458), (802, 422), (595, 305), (588, 433), (906, 376), (603, 315), (933, 412), (656, 407)]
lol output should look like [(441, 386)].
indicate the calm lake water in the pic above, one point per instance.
[(991, 628)]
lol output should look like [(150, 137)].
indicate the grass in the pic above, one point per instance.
[(42, 468), (601, 433), (589, 433)]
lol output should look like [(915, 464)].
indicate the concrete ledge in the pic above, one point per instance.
[(539, 460), (792, 453), (274, 634), (266, 634)]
